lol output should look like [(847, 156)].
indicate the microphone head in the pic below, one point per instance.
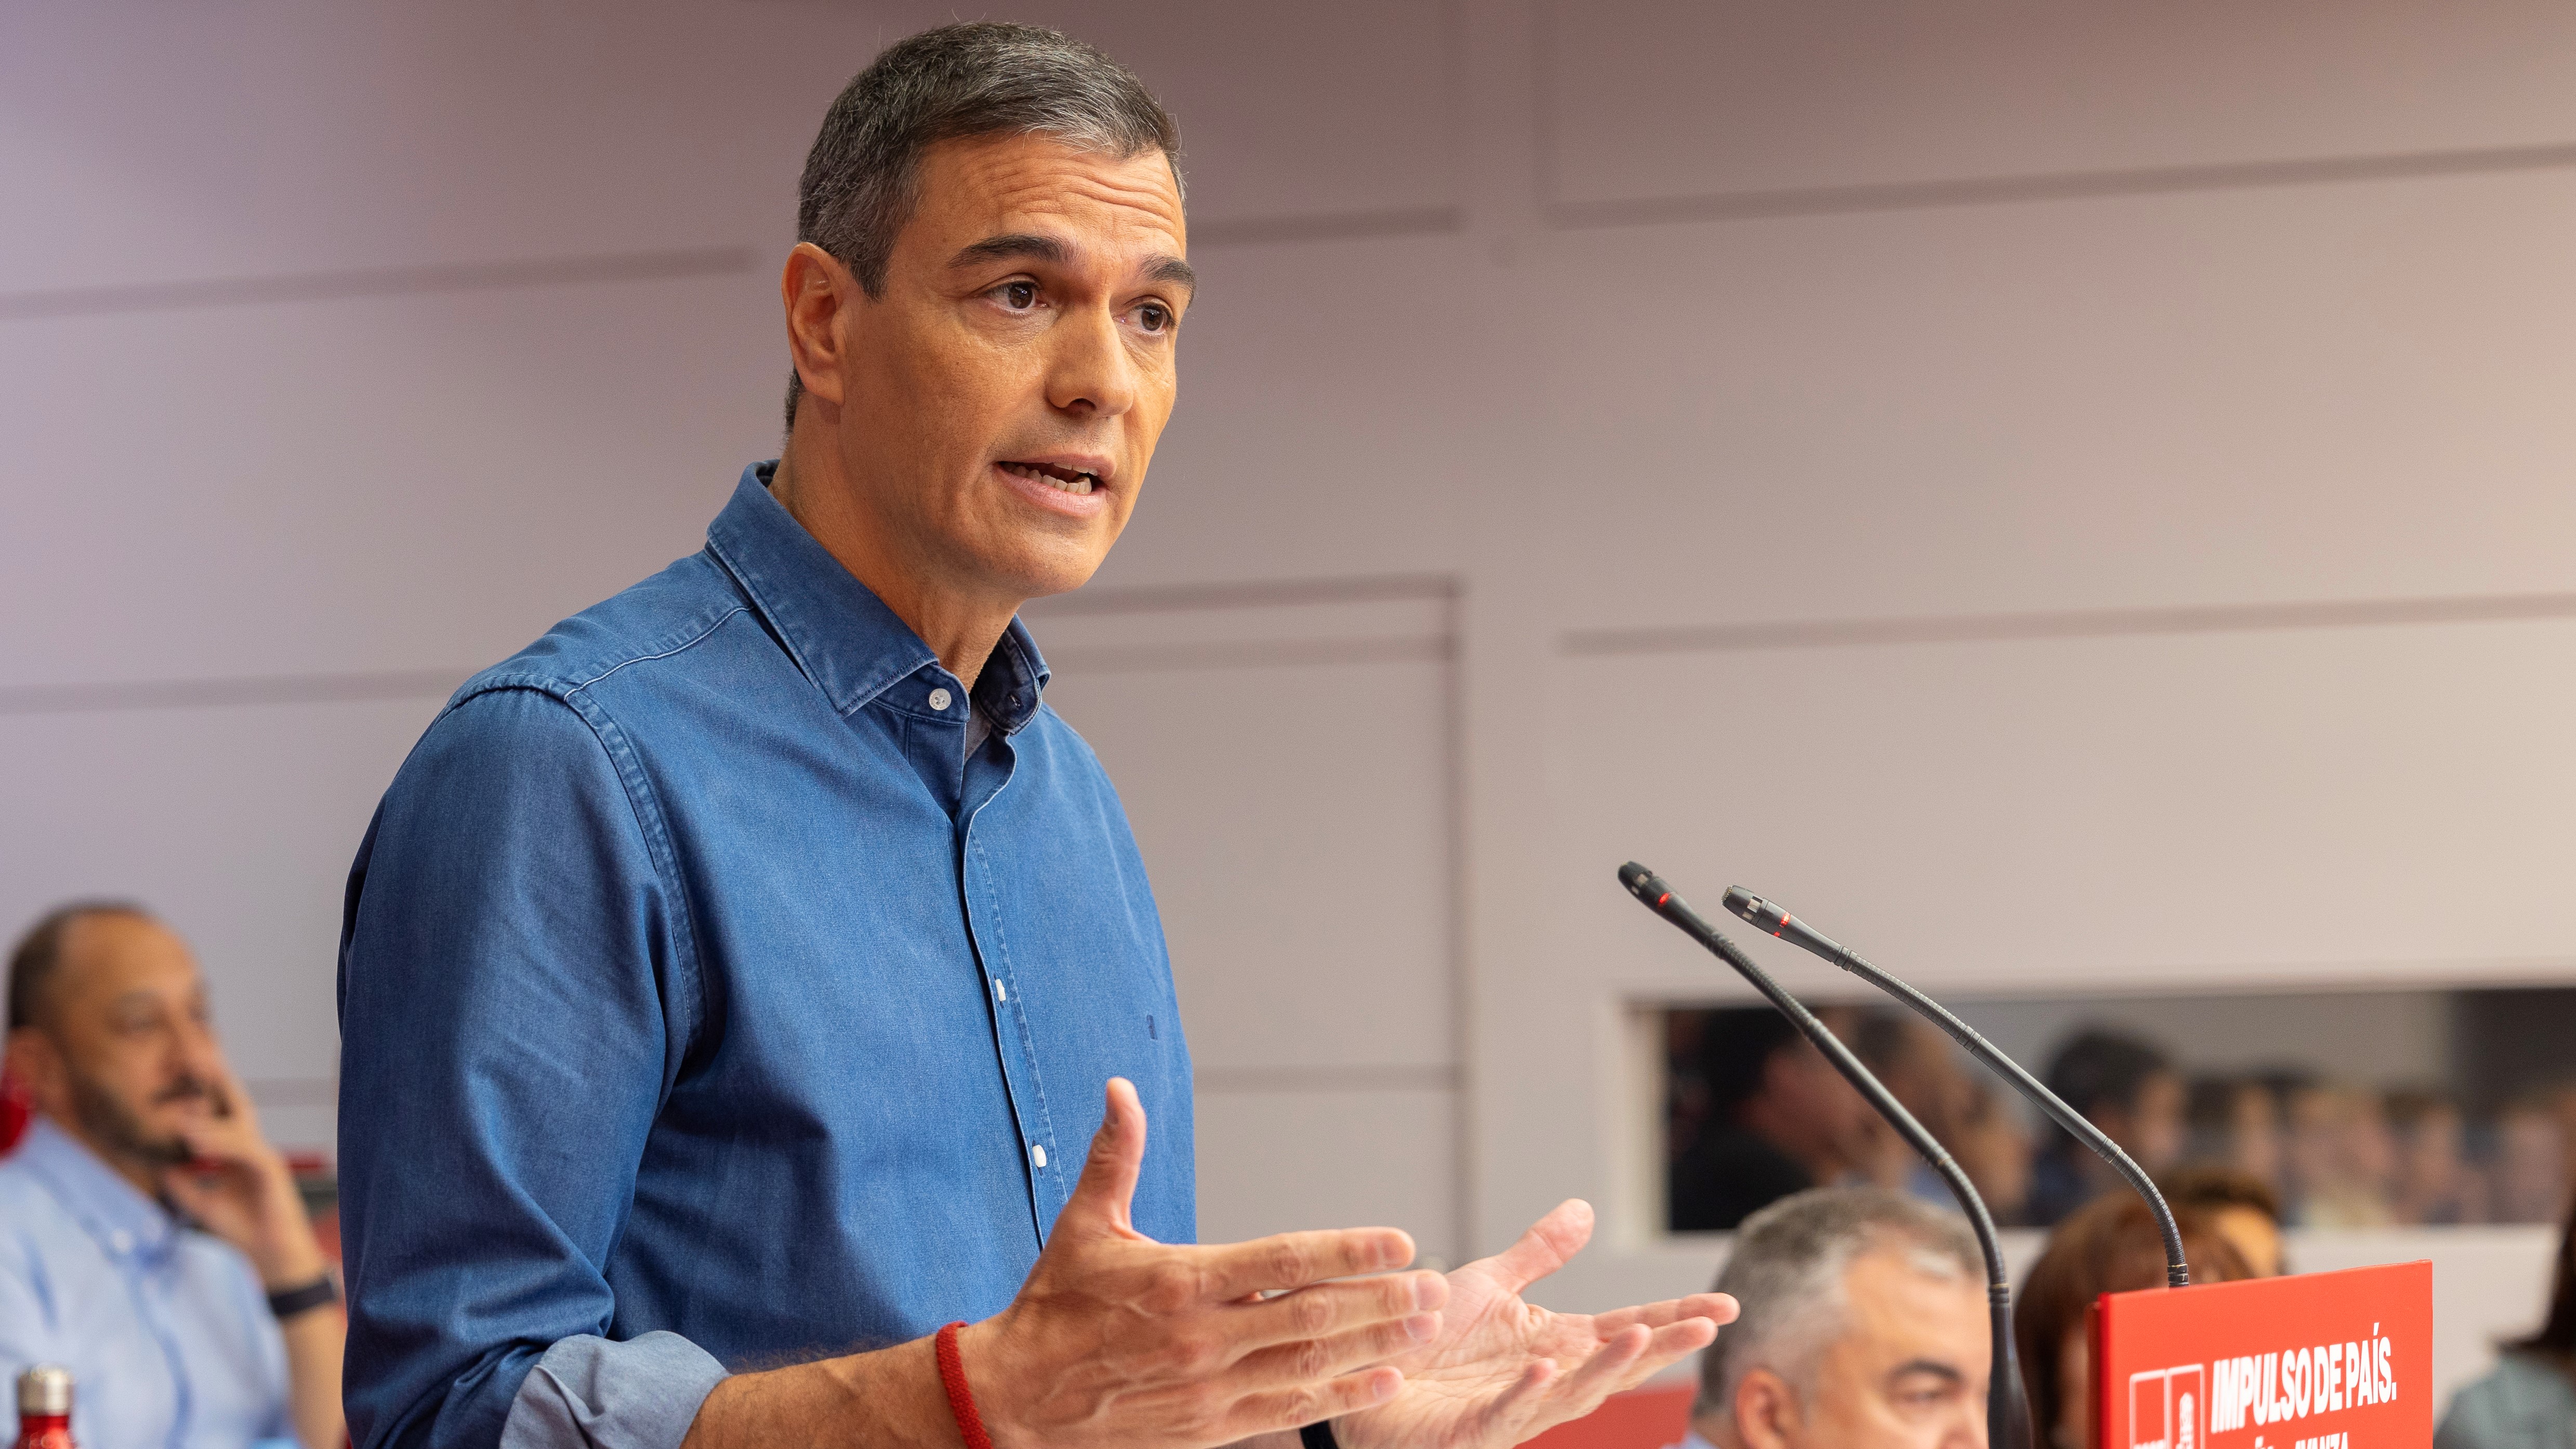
[(1641, 882), (1762, 915)]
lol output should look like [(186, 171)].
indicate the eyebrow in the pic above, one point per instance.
[(1035, 247), (1013, 244), (1948, 1373)]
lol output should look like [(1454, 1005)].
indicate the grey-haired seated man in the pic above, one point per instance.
[(1864, 1327)]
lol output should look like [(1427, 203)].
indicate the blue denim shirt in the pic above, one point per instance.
[(706, 1005), (165, 1329)]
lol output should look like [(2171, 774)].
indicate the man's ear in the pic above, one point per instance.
[(1767, 1413), (817, 291), (36, 1064)]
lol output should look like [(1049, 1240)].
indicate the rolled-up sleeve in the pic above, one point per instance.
[(594, 1393), (516, 992)]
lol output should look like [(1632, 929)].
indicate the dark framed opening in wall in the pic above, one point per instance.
[(2354, 1108)]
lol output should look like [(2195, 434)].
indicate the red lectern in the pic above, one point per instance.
[(2318, 1361)]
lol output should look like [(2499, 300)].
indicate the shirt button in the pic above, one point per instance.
[(939, 699), (123, 1241), (1001, 992), (1037, 1154)]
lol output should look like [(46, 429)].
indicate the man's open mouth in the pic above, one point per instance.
[(1069, 479)]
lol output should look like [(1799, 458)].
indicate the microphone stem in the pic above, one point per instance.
[(2177, 1272), (2004, 1404)]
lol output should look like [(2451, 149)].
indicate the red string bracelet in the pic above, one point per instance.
[(961, 1399)]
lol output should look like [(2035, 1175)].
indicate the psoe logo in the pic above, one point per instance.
[(2165, 1406)]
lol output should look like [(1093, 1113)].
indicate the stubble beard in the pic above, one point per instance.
[(119, 1130)]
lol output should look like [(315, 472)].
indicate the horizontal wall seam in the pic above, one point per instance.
[(1251, 654), (2133, 979), (2055, 186), (672, 264), (1433, 1078), (2068, 624), (36, 699), (1250, 594), (24, 699), (1328, 226), (363, 282)]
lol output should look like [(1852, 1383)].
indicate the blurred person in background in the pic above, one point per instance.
[(151, 1240), (1864, 1327), (2110, 1246), (2242, 1207), (2436, 1183), (1920, 1070), (1780, 1120), (2342, 1160), (2531, 1163), (2529, 1401), (1994, 1150), (2236, 1123), (1929, 1076), (2128, 1088)]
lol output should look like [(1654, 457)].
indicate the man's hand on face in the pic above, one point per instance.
[(241, 1189), (1503, 1370), (1117, 1340)]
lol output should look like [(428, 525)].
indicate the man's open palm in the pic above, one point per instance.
[(1503, 1371)]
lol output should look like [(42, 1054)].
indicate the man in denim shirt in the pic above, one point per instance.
[(732, 981)]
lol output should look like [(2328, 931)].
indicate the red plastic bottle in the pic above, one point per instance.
[(45, 1408)]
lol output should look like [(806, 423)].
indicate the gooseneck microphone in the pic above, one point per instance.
[(2007, 1413), (1770, 916)]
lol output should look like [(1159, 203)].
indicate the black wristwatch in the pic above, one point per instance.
[(288, 1302), (1319, 1435)]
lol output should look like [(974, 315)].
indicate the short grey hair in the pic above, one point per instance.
[(862, 178), (1787, 1273)]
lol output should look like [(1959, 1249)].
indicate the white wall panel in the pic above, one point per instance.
[(237, 824), (1295, 819), (2293, 394), (1276, 1162), (2199, 811), (1295, 813), (277, 137), (272, 137), (1338, 108), (1320, 422), (377, 483), (1665, 98)]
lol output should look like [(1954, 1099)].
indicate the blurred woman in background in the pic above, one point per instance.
[(2109, 1246), (2529, 1402)]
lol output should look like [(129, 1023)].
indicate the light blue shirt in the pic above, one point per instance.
[(2525, 1404), (165, 1329)]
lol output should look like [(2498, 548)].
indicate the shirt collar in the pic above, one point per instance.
[(839, 632), (129, 1226)]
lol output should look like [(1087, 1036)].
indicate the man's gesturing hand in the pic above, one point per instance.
[(1117, 1340), (1504, 1370)]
